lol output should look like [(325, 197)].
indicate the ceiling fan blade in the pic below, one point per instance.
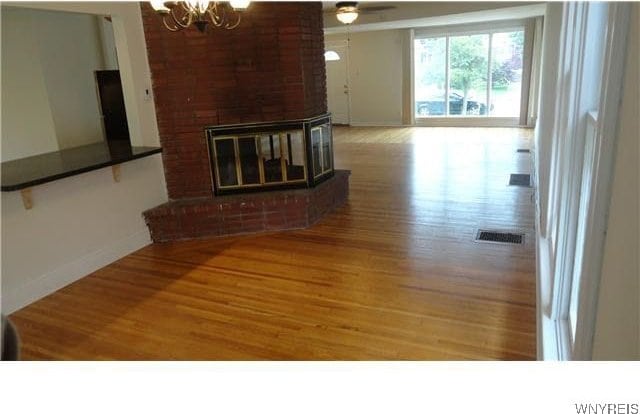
[(374, 9)]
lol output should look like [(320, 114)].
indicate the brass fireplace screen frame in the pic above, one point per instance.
[(270, 155)]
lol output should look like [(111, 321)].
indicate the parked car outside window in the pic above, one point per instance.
[(435, 106)]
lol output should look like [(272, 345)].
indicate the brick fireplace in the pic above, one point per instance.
[(269, 69)]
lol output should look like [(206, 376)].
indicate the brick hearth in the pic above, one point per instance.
[(247, 213)]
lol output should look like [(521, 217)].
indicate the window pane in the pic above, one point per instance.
[(469, 56), (430, 66), (506, 73)]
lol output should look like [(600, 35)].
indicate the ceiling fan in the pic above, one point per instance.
[(347, 11)]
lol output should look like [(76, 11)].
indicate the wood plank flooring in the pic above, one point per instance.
[(395, 274)]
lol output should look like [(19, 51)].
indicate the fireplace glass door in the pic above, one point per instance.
[(266, 159), (249, 163), (271, 158), (270, 155), (294, 155), (225, 154), (321, 150)]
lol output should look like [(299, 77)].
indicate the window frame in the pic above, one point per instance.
[(488, 28)]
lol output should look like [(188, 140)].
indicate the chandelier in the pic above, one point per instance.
[(178, 15), (347, 11)]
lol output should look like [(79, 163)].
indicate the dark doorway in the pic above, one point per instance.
[(114, 115)]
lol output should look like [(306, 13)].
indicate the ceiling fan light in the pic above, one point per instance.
[(347, 17), (347, 11), (331, 55)]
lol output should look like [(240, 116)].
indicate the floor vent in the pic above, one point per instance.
[(524, 150), (499, 237), (521, 180)]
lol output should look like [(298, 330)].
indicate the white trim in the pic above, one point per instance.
[(408, 63), (547, 101), (536, 68), (376, 124), (570, 149), (605, 141), (485, 27), (49, 282), (343, 44), (546, 338), (447, 80), (580, 85), (528, 71), (546, 332), (463, 121), (591, 146), (489, 74)]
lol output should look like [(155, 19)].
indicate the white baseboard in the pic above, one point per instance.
[(13, 300), (376, 124), (473, 121)]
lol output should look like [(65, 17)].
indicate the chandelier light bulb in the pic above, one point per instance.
[(201, 14), (199, 6), (158, 5), (239, 4)]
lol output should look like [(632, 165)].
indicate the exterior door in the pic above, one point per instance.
[(337, 82)]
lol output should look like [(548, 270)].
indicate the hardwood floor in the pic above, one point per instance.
[(395, 274)]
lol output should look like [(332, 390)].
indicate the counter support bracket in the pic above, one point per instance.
[(115, 169), (27, 201)]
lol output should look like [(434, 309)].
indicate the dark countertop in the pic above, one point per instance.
[(39, 169)]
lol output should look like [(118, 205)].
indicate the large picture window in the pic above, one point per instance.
[(469, 75)]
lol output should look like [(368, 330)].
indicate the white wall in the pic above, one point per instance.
[(618, 317), (50, 59), (375, 76), (82, 223), (24, 92), (70, 52), (108, 44)]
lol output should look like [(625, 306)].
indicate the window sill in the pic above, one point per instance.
[(467, 121)]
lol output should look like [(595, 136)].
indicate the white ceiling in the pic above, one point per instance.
[(427, 14)]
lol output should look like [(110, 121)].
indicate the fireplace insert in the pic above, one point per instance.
[(270, 155)]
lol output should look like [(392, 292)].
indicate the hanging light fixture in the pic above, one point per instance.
[(347, 11), (178, 15), (331, 55)]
